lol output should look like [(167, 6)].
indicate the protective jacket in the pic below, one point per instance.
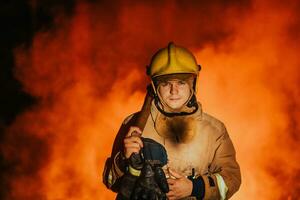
[(209, 153)]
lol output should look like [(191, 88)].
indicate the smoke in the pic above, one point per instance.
[(252, 82), (87, 72)]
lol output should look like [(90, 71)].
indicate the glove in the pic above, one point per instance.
[(128, 182), (145, 178), (161, 179), (146, 187), (152, 183), (156, 154)]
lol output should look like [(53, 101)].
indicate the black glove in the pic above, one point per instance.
[(146, 187), (156, 154), (161, 179), (152, 182), (128, 183)]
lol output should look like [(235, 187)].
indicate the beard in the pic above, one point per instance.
[(178, 129)]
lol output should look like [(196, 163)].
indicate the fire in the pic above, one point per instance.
[(88, 73)]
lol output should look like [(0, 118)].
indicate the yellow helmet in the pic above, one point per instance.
[(173, 60)]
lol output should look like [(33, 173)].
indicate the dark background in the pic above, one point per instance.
[(19, 21)]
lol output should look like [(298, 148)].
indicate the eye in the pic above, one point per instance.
[(181, 82), (163, 84)]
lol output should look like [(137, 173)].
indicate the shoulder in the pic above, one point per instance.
[(209, 120), (216, 126), (213, 121), (129, 118)]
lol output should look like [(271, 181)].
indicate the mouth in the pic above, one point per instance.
[(174, 99)]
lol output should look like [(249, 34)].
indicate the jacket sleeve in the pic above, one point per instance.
[(224, 167), (115, 165)]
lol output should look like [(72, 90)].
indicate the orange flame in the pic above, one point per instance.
[(88, 74)]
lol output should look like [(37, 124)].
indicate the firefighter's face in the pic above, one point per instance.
[(175, 93)]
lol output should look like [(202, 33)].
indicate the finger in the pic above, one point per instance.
[(175, 174), (134, 139), (133, 149), (135, 133), (171, 195), (130, 151), (133, 129), (171, 181), (171, 198), (132, 145)]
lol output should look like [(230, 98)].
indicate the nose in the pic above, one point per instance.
[(173, 88)]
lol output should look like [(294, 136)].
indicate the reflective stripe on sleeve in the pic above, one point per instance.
[(110, 178), (222, 186)]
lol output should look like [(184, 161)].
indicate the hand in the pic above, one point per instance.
[(180, 187), (132, 141)]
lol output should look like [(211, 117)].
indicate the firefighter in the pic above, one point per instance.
[(201, 161)]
